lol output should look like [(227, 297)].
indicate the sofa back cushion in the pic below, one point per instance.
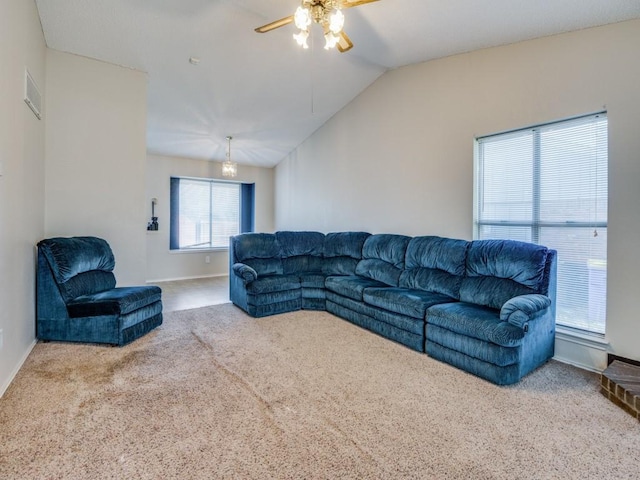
[(261, 251), (80, 265), (383, 258), (301, 251), (497, 270), (342, 252), (435, 264)]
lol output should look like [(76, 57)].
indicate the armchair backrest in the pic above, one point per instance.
[(78, 265)]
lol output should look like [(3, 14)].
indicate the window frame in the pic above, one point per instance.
[(246, 216), (536, 225)]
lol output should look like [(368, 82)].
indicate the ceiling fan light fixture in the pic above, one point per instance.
[(302, 18), (331, 40), (301, 38), (336, 21)]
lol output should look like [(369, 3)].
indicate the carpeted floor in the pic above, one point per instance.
[(214, 393)]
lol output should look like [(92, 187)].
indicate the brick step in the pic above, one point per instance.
[(620, 383)]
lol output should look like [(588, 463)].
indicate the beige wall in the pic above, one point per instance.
[(22, 153), (165, 265), (96, 157), (399, 158)]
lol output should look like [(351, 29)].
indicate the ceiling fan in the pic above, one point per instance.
[(327, 13)]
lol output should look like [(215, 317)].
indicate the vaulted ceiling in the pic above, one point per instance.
[(263, 89)]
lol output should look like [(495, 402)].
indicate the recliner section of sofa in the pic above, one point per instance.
[(487, 306)]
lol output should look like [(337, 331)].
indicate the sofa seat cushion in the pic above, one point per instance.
[(474, 321), (351, 286), (118, 301), (312, 280), (274, 283), (404, 301)]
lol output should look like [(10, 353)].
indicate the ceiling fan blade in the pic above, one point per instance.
[(355, 3), (344, 43), (273, 25)]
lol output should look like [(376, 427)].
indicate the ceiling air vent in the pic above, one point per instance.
[(32, 95)]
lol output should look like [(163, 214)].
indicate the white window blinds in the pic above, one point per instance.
[(548, 185), (208, 213)]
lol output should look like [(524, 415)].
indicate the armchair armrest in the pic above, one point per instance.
[(245, 272), (519, 310)]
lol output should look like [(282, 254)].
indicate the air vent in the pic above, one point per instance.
[(32, 95)]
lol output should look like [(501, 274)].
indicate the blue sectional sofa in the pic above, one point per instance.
[(485, 306)]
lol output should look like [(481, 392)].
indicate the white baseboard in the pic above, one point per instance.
[(5, 385), (188, 278), (581, 351)]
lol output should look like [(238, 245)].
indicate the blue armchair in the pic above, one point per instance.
[(77, 298)]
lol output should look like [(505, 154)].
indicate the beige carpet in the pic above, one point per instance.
[(214, 393)]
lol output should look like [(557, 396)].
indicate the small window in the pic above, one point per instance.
[(548, 185), (205, 213)]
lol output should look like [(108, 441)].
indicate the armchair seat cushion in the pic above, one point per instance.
[(475, 321), (405, 301), (117, 301)]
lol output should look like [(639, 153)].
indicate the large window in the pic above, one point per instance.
[(548, 185), (205, 213)]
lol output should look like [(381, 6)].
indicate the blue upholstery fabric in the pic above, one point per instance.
[(295, 244), (245, 272), (498, 270), (403, 322), (87, 283), (274, 283), (313, 304), (411, 340), (260, 251), (519, 310), (274, 308), (266, 266), (485, 351), (437, 253), (489, 371), (404, 301), (301, 263), (312, 280), (342, 252), (345, 244), (350, 286), (77, 300), (301, 251), (490, 291), (68, 257), (383, 258), (116, 301), (435, 264), (339, 266), (273, 297), (475, 321)]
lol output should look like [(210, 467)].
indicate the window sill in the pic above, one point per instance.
[(593, 340), (200, 250)]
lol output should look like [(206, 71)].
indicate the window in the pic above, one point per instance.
[(205, 213), (548, 185)]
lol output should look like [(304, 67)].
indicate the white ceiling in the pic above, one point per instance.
[(264, 90)]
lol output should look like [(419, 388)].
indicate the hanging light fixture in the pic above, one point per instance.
[(326, 13), (229, 168)]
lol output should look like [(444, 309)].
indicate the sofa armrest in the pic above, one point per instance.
[(245, 272), (519, 310)]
